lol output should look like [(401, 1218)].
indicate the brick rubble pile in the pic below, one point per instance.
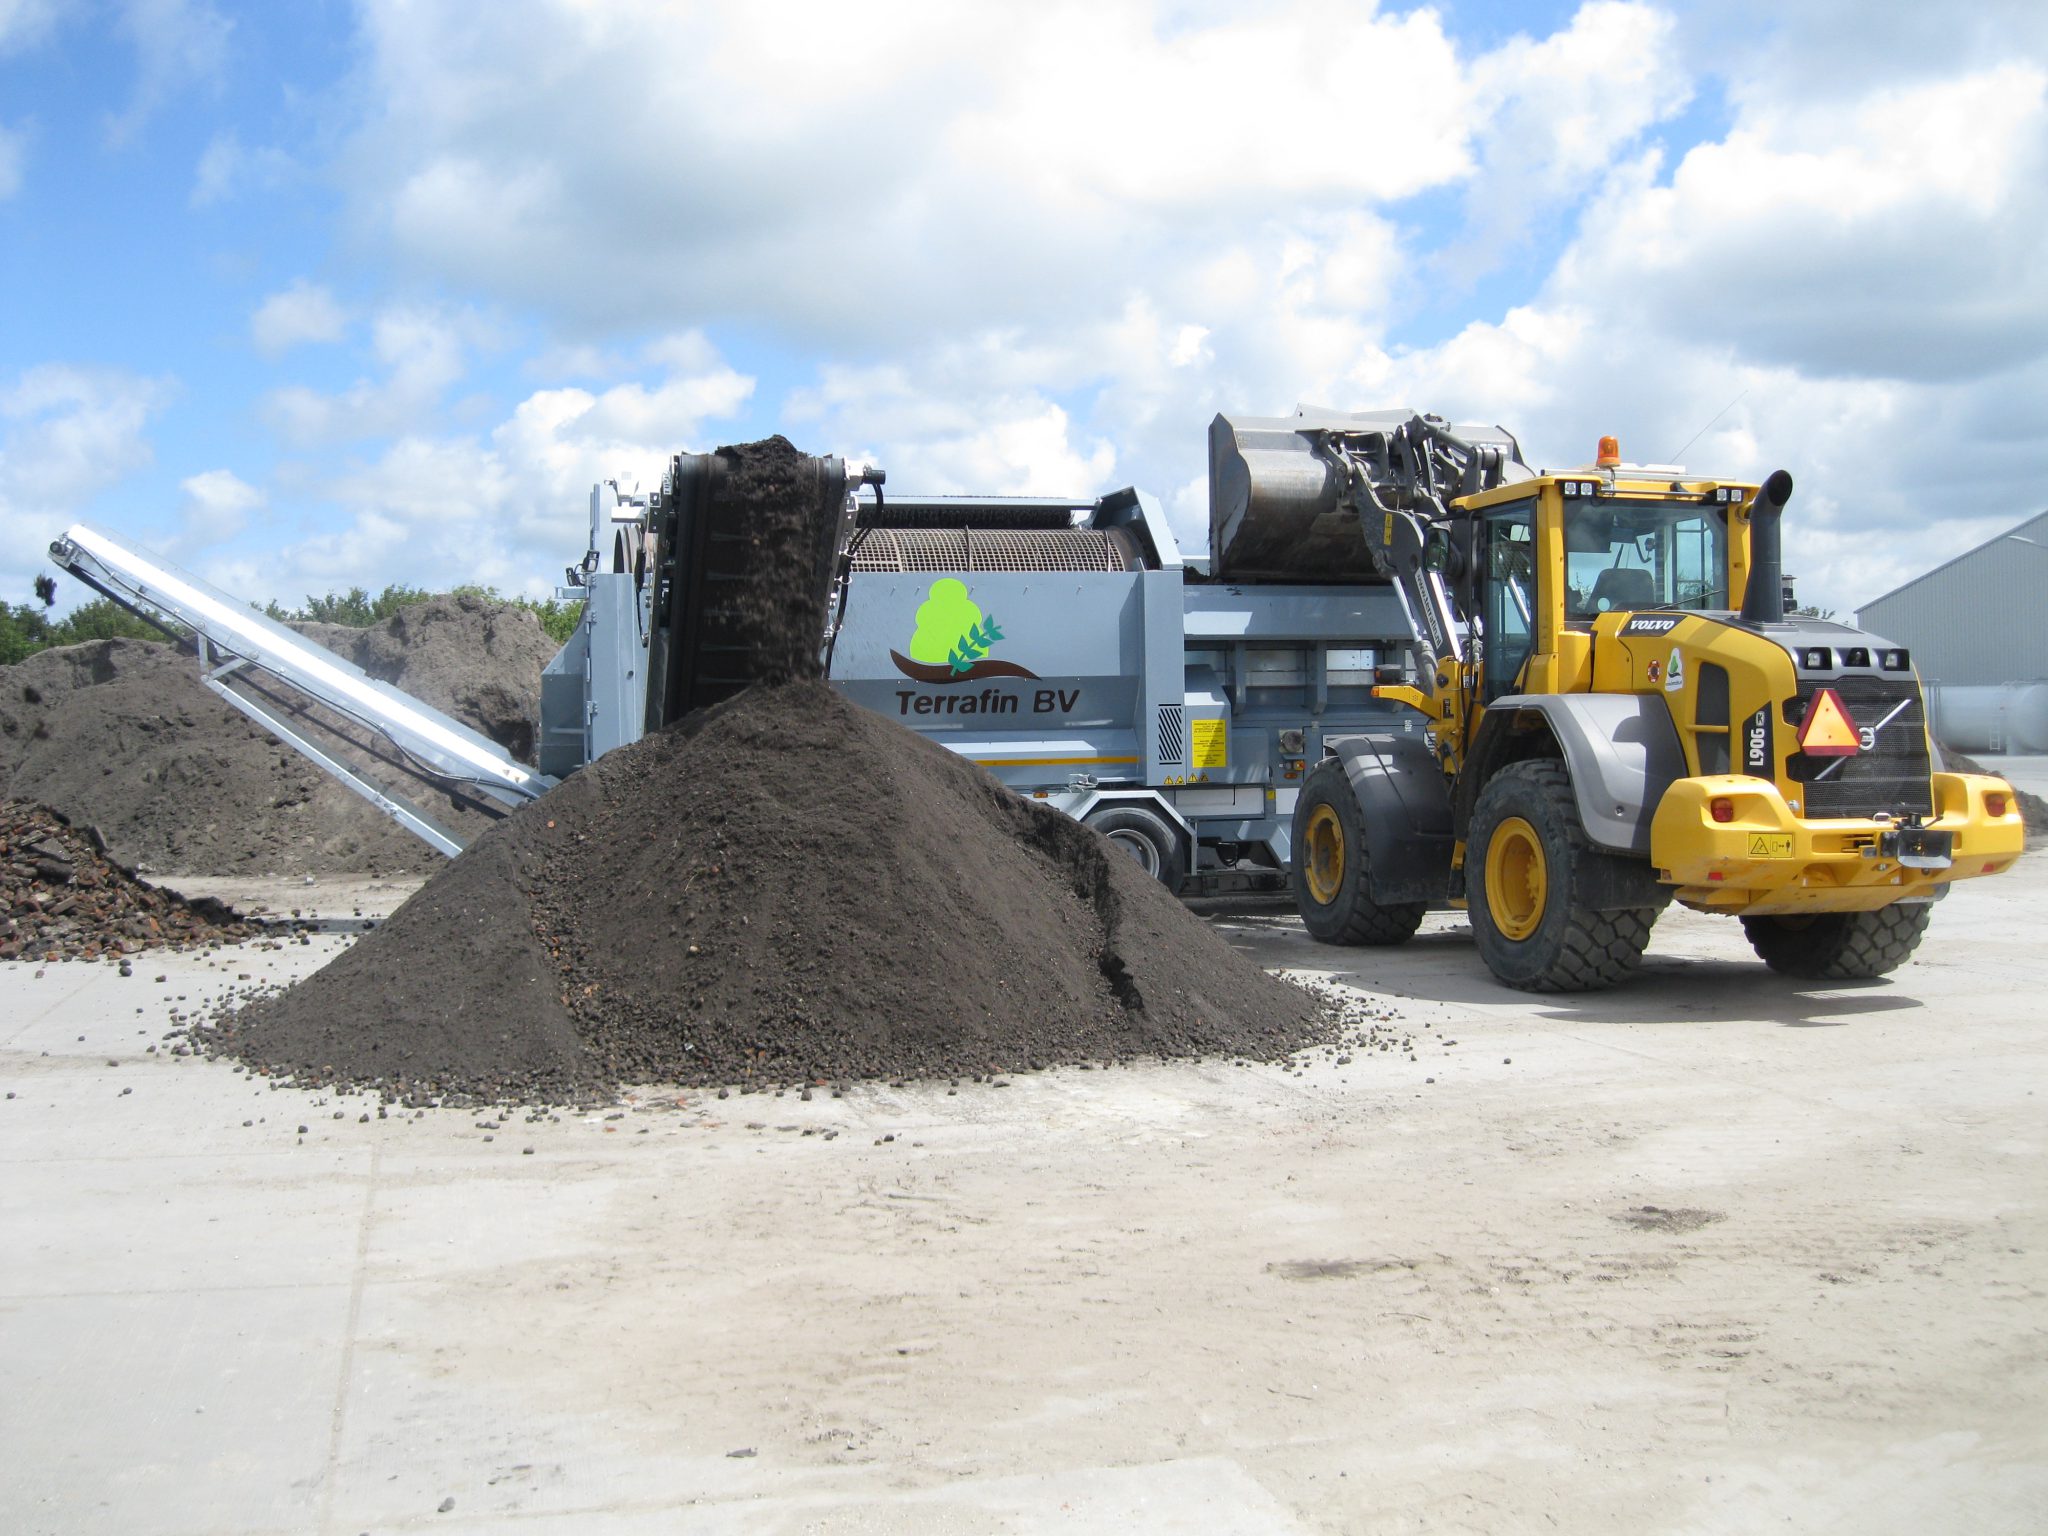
[(62, 898)]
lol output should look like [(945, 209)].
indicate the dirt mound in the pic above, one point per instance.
[(786, 888), (468, 656), (122, 735), (782, 888), (62, 897)]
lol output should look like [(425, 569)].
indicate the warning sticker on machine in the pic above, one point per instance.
[(1770, 845), (1210, 743)]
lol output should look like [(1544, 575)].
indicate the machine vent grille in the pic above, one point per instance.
[(1892, 775), (1172, 734), (994, 549)]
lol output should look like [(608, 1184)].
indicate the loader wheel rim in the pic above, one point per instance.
[(1324, 864), (1517, 878)]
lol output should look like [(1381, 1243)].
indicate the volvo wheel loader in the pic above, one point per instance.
[(1618, 712)]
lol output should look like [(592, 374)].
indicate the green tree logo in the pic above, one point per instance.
[(951, 629)]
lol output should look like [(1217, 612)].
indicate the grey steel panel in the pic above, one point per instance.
[(1623, 753)]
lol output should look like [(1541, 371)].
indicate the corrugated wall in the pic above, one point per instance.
[(1982, 618)]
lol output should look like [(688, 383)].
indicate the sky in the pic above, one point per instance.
[(351, 292)]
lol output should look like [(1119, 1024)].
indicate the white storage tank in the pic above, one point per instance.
[(2001, 717)]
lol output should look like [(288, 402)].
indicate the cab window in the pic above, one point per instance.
[(1626, 556), (1508, 599)]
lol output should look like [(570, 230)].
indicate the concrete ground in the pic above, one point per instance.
[(1710, 1253)]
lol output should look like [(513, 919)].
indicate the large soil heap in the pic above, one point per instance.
[(784, 888), (781, 888), (122, 735)]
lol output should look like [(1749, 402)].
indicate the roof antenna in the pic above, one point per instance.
[(1674, 458)]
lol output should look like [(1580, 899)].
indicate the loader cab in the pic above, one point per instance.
[(1550, 556)]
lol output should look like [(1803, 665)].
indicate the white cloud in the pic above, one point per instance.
[(227, 168), (217, 506), (1893, 237), (1049, 242), (303, 312), (180, 45), (423, 353), (66, 435), (1036, 248), (506, 507), (910, 170), (1564, 108)]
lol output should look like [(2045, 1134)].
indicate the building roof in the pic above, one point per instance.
[(2038, 523)]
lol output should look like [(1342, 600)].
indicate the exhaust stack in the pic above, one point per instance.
[(1763, 601)]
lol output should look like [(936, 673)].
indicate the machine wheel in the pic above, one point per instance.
[(1522, 858), (1147, 838), (1840, 946), (1331, 888)]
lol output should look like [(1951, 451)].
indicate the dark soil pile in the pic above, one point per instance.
[(122, 735), (782, 889), (62, 897), (468, 656)]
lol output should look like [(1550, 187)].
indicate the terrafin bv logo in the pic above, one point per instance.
[(953, 640)]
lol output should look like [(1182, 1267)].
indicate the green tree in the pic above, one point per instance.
[(101, 619), (23, 632)]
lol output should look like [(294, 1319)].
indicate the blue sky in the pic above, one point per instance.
[(349, 293)]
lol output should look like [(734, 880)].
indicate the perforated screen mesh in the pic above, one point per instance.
[(992, 549)]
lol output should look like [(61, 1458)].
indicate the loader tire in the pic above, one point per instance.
[(1840, 946), (1331, 878), (1523, 857)]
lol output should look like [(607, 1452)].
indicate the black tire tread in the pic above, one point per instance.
[(1362, 922), (1369, 924), (1841, 946), (1595, 949)]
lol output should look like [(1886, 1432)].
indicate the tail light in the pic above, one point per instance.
[(1996, 802), (1721, 808)]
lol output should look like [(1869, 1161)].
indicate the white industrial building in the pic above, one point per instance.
[(1977, 629)]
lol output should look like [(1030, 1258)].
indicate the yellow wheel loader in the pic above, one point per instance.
[(1617, 712)]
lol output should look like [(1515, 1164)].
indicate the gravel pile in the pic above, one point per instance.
[(63, 898), (121, 735)]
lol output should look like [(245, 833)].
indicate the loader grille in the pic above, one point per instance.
[(1892, 776), (994, 549)]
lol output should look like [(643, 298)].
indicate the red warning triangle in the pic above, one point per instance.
[(1827, 730)]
